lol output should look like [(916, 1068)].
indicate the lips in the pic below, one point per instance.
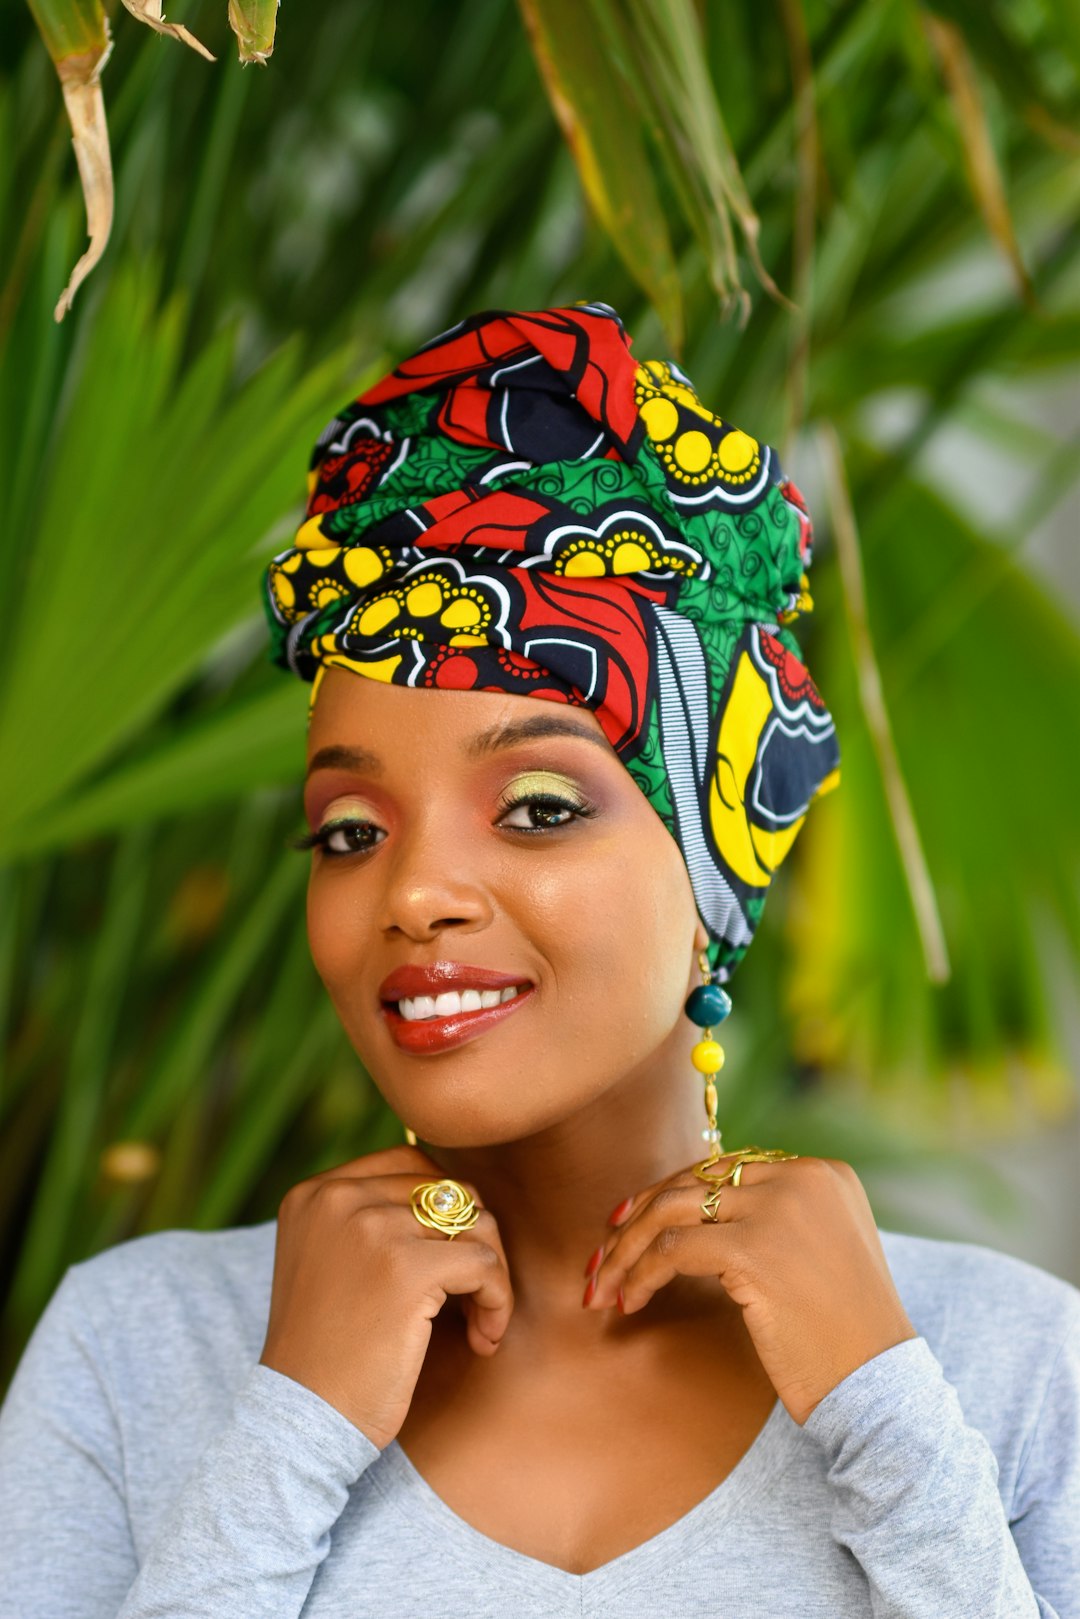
[(442, 1033), (410, 980), (423, 1035)]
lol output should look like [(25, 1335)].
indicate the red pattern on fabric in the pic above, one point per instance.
[(589, 351), (346, 479), (501, 519), (794, 497), (611, 617), (794, 677), (463, 416), (457, 673)]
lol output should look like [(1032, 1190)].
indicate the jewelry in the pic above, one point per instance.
[(410, 1136), (733, 1173), (444, 1206), (706, 1005)]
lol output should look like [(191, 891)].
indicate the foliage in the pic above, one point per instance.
[(153, 966)]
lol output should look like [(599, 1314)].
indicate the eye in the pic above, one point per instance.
[(340, 837), (547, 806)]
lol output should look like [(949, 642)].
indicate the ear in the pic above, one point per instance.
[(701, 936)]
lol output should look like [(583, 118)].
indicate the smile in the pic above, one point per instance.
[(451, 1002), (428, 1023)]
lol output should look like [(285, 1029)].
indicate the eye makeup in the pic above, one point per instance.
[(544, 784), (343, 822), (549, 790)]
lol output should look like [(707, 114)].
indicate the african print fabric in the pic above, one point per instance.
[(523, 507)]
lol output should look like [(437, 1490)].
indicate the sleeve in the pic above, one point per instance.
[(1045, 1513), (915, 1493), (245, 1535)]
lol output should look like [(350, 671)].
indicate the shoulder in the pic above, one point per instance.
[(1000, 1327), (948, 1284), (209, 1290), (149, 1337), (163, 1258)]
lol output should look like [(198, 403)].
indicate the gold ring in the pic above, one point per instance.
[(444, 1206), (733, 1173)]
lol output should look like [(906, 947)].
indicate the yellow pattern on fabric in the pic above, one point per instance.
[(753, 852), (626, 550), (362, 565), (461, 608), (692, 453)]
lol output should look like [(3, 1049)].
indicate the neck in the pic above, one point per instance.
[(552, 1192)]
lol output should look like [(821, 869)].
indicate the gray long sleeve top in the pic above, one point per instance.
[(151, 1468)]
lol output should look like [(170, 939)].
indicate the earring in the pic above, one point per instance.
[(707, 1005), (410, 1136)]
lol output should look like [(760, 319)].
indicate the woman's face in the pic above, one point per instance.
[(589, 900)]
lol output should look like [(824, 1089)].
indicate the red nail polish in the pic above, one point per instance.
[(589, 1291), (594, 1262), (621, 1302), (620, 1211)]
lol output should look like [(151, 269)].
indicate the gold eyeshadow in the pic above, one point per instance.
[(340, 809), (542, 781)]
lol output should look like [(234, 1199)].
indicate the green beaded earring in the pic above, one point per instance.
[(707, 1005)]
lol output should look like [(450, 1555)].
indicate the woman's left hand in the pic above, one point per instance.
[(795, 1244)]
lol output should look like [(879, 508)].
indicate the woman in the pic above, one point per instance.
[(397, 1399)]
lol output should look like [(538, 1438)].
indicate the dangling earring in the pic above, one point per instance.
[(410, 1136), (706, 1005)]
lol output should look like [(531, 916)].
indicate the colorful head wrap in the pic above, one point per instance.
[(522, 507)]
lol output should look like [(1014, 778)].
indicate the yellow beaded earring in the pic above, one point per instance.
[(707, 1005)]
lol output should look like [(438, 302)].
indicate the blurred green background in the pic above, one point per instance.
[(281, 234)]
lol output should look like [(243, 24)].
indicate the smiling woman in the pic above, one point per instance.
[(760, 1404), (538, 861)]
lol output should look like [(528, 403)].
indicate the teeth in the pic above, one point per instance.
[(451, 1002)]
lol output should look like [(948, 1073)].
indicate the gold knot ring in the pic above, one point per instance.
[(444, 1206), (743, 1155)]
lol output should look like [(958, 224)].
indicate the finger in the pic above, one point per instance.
[(362, 1191), (401, 1158), (651, 1209), (486, 1323), (681, 1250), (486, 1320), (476, 1267), (675, 1204), (632, 1206)]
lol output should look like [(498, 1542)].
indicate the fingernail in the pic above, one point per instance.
[(621, 1302), (620, 1211), (589, 1291), (594, 1262)]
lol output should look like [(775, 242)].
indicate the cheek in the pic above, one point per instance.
[(617, 931), (333, 931)]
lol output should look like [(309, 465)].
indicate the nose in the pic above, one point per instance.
[(433, 882)]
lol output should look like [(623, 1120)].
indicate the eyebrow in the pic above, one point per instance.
[(477, 747)]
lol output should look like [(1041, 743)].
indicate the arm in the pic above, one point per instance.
[(915, 1495), (249, 1528)]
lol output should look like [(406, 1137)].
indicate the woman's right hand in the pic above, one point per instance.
[(358, 1280)]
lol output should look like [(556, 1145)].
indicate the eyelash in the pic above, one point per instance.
[(321, 837)]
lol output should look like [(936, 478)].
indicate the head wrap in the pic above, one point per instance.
[(522, 507)]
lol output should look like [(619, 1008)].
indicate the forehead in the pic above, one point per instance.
[(352, 709)]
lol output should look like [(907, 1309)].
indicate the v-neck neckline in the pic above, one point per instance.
[(403, 1484)]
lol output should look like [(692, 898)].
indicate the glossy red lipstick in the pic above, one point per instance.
[(424, 1035)]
